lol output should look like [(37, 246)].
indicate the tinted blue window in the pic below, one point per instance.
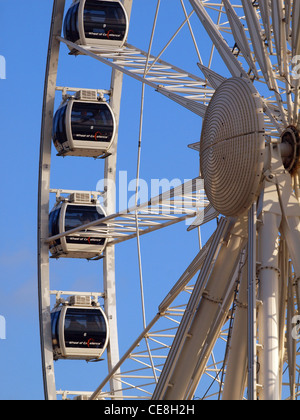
[(85, 329), (104, 20)]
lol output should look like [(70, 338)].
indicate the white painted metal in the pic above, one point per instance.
[(234, 66), (212, 312), (232, 147), (43, 201), (160, 75), (181, 203), (239, 33), (291, 342), (224, 50), (256, 41), (43, 210), (213, 77), (258, 44), (109, 280), (295, 29), (236, 370), (168, 311), (268, 313), (252, 305), (183, 369)]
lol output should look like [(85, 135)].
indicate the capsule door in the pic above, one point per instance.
[(83, 244), (83, 333)]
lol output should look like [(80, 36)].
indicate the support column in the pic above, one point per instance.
[(207, 321), (269, 311), (252, 305), (109, 278), (236, 371)]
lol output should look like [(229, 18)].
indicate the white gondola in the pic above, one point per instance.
[(84, 126), (79, 329), (97, 23), (76, 210)]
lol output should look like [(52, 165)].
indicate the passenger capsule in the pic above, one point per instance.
[(97, 23), (80, 330), (82, 127), (77, 210)]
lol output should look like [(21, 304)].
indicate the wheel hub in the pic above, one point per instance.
[(290, 140), (232, 147)]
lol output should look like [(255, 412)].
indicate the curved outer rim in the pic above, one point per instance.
[(43, 200), (43, 209)]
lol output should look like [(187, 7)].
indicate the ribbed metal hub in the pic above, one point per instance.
[(232, 147)]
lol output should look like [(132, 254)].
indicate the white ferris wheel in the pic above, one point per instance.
[(229, 326)]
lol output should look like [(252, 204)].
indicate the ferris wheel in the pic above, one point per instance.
[(229, 326)]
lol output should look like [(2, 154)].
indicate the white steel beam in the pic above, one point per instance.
[(258, 44), (265, 15), (189, 353), (192, 105), (156, 73), (295, 54), (280, 208), (178, 204), (296, 28), (163, 311), (109, 277), (231, 61), (236, 370), (268, 312), (282, 305), (261, 54), (279, 30), (291, 343), (252, 304), (214, 79), (221, 45), (278, 20), (43, 200), (239, 33)]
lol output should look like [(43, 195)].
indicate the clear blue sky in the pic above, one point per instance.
[(168, 129)]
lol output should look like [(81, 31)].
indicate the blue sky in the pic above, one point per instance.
[(168, 129)]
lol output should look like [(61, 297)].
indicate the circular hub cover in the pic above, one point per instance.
[(232, 147)]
